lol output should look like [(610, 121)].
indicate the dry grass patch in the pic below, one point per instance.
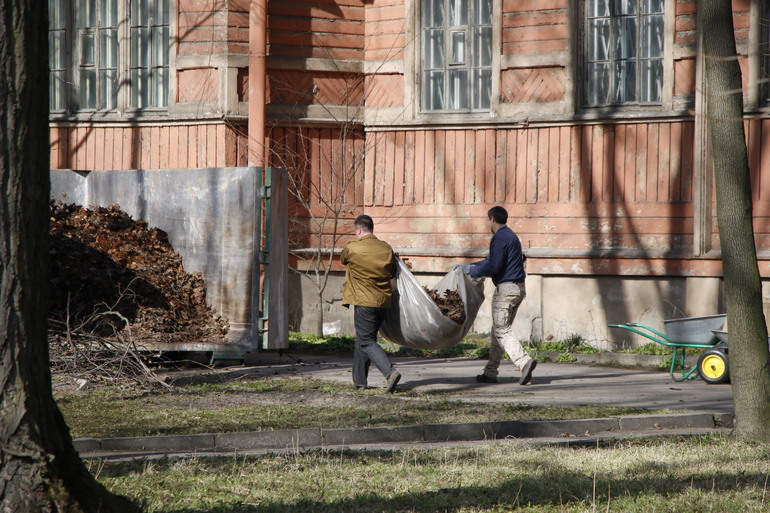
[(701, 474), (271, 404)]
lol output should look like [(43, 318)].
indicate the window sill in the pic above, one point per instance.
[(630, 113), (455, 116), (159, 115)]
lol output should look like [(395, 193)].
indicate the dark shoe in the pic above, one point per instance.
[(393, 380), (526, 372), (483, 378)]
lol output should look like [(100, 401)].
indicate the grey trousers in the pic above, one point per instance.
[(368, 321)]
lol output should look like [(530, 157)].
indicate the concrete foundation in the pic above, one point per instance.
[(556, 308)]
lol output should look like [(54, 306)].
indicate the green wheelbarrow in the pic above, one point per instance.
[(690, 332)]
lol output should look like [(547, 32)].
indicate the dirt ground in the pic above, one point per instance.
[(213, 400), (218, 401)]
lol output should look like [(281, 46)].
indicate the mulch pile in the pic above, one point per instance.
[(450, 304), (111, 274)]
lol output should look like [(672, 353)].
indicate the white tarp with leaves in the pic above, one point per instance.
[(414, 320)]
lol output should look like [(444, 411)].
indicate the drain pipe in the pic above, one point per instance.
[(256, 158), (257, 81)]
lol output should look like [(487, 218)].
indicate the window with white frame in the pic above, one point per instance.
[(457, 55), (57, 54), (149, 53), (623, 52), (90, 70)]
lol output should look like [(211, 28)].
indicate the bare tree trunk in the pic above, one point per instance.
[(39, 468), (749, 365), (320, 207), (319, 325)]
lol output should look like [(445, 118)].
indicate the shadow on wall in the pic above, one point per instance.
[(296, 304), (304, 306)]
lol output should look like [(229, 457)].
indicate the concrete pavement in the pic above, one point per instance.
[(561, 384), (701, 408)]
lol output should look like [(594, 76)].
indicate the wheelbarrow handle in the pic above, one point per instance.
[(642, 329)]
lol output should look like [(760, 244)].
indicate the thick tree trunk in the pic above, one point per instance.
[(749, 365), (39, 468)]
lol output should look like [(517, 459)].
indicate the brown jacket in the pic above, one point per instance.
[(370, 266)]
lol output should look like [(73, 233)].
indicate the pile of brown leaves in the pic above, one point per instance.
[(450, 304), (114, 276)]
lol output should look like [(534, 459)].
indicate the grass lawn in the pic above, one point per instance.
[(695, 474), (293, 403), (698, 474)]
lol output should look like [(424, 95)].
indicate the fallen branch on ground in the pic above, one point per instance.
[(80, 352)]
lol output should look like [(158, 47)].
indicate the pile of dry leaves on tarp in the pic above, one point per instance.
[(450, 303), (115, 280)]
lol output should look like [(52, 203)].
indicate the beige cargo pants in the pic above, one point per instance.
[(505, 304)]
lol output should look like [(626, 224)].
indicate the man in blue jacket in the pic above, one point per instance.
[(505, 265)]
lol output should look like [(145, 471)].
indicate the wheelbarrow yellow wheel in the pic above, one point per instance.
[(712, 367)]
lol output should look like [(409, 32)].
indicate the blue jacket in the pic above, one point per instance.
[(505, 262)]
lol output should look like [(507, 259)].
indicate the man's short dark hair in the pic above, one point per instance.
[(498, 214), (365, 223)]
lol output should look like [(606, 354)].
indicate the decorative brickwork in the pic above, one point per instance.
[(385, 91), (306, 88), (532, 85), (197, 85), (684, 76)]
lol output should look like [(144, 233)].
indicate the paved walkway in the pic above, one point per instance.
[(566, 384), (707, 408)]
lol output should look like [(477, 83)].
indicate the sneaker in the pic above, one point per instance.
[(483, 378), (526, 372), (393, 380)]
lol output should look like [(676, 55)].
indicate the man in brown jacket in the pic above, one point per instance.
[(370, 266)]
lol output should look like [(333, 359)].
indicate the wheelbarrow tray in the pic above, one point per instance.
[(695, 330), (722, 336)]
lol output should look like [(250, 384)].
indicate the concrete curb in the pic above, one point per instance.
[(428, 433)]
